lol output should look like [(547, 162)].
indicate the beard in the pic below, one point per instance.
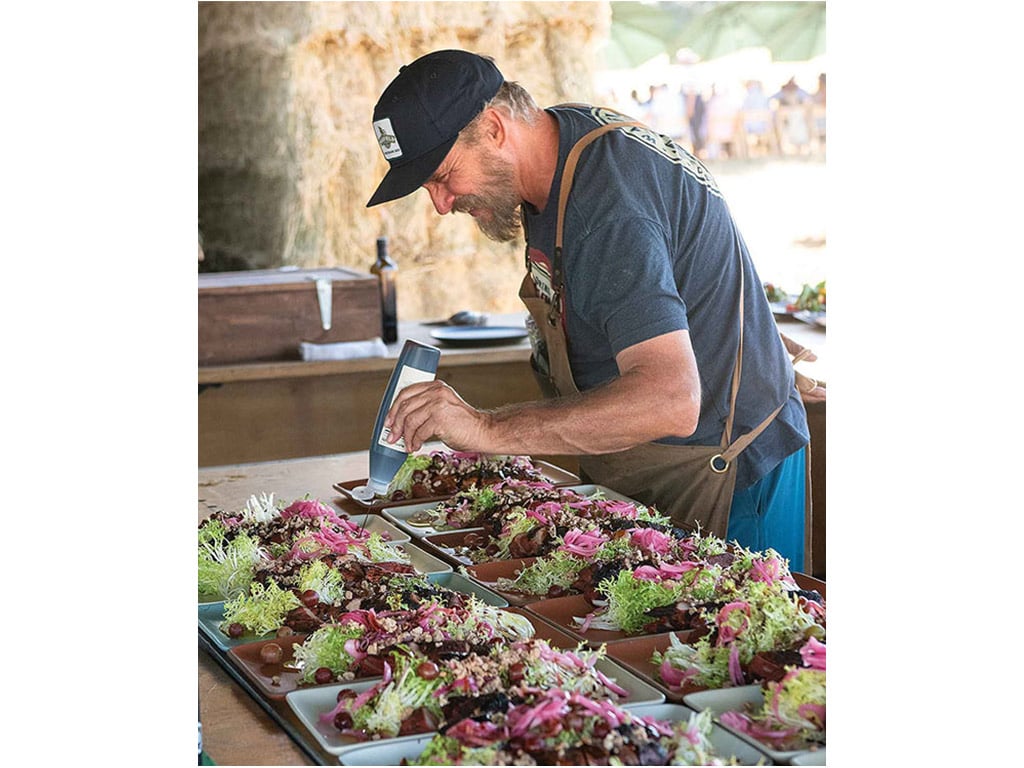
[(501, 221)]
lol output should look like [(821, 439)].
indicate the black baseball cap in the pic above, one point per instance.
[(418, 117)]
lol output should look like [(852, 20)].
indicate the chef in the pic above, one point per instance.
[(658, 353)]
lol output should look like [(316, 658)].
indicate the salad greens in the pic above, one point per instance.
[(226, 566), (793, 712), (327, 647), (760, 618), (360, 633), (262, 610), (402, 481)]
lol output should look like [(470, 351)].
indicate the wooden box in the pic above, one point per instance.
[(264, 315)]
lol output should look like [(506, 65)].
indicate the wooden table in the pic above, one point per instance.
[(240, 727)]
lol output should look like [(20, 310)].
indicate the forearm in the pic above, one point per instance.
[(613, 417)]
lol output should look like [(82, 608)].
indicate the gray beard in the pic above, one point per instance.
[(500, 201), (503, 223)]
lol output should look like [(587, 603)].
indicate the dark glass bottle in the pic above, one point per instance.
[(386, 271)]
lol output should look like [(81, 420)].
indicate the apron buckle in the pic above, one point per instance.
[(719, 464)]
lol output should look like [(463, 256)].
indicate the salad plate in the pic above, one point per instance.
[(378, 524), (449, 546), (635, 655), (309, 703), (809, 583), (424, 562), (407, 517), (210, 617), (459, 583), (725, 742), (405, 750), (737, 699), (815, 757), (783, 308), (810, 317), (273, 680), (488, 574), (568, 613), (550, 472)]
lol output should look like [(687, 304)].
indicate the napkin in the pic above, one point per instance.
[(344, 350)]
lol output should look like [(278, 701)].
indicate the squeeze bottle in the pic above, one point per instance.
[(417, 362)]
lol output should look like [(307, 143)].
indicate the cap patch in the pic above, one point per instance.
[(387, 139)]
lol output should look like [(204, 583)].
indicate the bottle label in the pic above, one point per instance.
[(408, 375)]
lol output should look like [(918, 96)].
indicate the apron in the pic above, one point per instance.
[(691, 484)]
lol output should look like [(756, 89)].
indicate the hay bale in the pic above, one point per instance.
[(287, 156)]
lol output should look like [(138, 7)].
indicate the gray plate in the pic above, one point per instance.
[(459, 583), (400, 515), (309, 703), (434, 568), (393, 751)]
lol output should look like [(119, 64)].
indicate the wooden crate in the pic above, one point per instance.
[(263, 315)]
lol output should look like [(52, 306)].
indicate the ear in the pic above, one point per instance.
[(495, 128)]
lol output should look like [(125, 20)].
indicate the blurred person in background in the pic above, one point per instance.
[(792, 116)]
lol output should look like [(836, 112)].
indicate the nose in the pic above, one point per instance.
[(442, 199)]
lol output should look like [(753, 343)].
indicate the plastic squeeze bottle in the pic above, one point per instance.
[(417, 362)]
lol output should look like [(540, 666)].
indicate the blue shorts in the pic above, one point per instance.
[(771, 512)]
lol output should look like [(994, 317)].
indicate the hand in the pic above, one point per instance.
[(816, 395), (433, 409), (798, 351)]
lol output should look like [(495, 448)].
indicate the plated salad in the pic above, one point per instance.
[(687, 593), (559, 519), (752, 636), (567, 728), (444, 473), (477, 506), (324, 591), (418, 694), (266, 539), (793, 713), (586, 559), (360, 642)]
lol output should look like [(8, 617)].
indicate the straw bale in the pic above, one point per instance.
[(287, 156)]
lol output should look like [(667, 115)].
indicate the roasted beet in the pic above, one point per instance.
[(461, 707)]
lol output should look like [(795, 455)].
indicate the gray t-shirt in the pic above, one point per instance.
[(650, 247)]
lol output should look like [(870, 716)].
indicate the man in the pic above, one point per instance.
[(638, 282)]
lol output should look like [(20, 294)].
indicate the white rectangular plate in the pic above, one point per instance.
[(725, 699)]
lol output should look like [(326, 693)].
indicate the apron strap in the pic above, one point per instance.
[(568, 173)]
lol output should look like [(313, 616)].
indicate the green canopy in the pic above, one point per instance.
[(640, 31)]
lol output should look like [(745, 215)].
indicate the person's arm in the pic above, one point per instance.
[(656, 395)]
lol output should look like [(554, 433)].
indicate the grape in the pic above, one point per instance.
[(428, 670), (323, 675), (271, 653)]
